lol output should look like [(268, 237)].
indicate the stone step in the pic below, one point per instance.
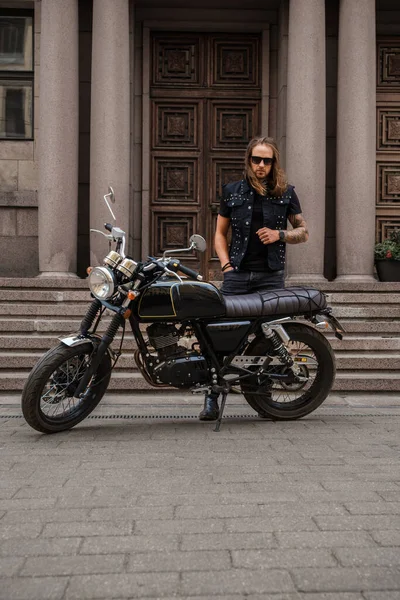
[(13, 381), (35, 341), (18, 309), (44, 283), (83, 295), (51, 283), (27, 360), (373, 343), (25, 296), (336, 298), (15, 310), (367, 381), (371, 327), (344, 360), (366, 311), (43, 343)]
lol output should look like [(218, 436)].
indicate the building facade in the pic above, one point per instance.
[(159, 98)]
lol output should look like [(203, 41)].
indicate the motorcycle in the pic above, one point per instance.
[(189, 336)]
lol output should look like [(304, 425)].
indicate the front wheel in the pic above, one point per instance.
[(48, 402), (315, 364)]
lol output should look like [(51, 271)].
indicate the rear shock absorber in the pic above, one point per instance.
[(277, 340)]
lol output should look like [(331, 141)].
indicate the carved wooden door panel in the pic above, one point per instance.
[(388, 137), (205, 94)]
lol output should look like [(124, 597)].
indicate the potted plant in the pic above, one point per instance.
[(387, 257)]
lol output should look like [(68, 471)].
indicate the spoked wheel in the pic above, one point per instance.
[(314, 362), (48, 402)]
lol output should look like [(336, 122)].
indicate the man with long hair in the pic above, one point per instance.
[(257, 209)]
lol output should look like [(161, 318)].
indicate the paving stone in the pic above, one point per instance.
[(272, 523), (215, 511), (387, 538), (246, 581), (10, 566), (373, 508), (45, 516), (323, 539), (180, 561), (33, 588), (296, 509), (87, 529), (132, 543), (19, 530), (346, 579), (73, 565), (360, 557), (39, 547), (381, 595), (179, 526), (360, 522), (227, 541), (136, 585), (283, 559), (134, 512)]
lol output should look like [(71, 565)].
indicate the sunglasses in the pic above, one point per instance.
[(257, 160)]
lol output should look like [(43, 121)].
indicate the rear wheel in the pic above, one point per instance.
[(315, 364), (48, 402)]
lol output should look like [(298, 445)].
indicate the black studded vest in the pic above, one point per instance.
[(239, 197)]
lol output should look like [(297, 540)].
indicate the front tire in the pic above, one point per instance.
[(285, 402), (48, 402)]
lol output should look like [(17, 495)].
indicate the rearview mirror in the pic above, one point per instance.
[(198, 242), (110, 197)]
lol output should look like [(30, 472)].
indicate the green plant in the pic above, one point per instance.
[(389, 249)]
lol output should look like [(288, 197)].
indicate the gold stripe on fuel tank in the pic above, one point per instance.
[(159, 316)]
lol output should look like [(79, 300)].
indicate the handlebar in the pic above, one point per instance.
[(175, 265)]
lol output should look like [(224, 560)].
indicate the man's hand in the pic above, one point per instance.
[(268, 236)]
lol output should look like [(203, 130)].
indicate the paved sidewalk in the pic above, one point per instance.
[(145, 501)]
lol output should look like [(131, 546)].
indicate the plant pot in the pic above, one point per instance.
[(388, 269)]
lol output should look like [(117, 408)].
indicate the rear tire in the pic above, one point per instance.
[(277, 402), (47, 398)]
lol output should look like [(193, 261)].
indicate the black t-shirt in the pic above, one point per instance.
[(256, 257)]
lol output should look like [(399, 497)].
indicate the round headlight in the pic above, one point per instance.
[(101, 283)]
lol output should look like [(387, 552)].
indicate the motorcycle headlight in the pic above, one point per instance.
[(102, 283)]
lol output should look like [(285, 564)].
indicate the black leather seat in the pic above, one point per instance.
[(288, 301)]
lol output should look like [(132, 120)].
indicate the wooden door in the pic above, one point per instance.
[(388, 137), (206, 102)]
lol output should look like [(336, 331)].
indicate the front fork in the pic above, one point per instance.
[(102, 349)]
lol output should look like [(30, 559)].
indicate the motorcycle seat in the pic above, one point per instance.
[(284, 302)]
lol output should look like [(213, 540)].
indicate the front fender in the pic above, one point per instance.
[(76, 340)]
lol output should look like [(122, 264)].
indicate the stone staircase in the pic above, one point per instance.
[(35, 312)]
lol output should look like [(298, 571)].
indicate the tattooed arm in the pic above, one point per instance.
[(299, 233)]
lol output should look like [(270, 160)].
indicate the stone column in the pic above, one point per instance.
[(58, 138), (110, 122), (305, 155), (356, 143)]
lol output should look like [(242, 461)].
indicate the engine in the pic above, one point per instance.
[(178, 363)]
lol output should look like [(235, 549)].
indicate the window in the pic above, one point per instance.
[(16, 74)]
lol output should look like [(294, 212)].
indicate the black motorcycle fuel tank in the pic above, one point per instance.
[(170, 299)]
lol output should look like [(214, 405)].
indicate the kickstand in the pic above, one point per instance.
[(221, 412)]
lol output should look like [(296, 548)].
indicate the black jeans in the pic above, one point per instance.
[(246, 282)]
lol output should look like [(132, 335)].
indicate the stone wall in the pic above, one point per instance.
[(18, 184)]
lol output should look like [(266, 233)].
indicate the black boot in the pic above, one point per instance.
[(210, 411)]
